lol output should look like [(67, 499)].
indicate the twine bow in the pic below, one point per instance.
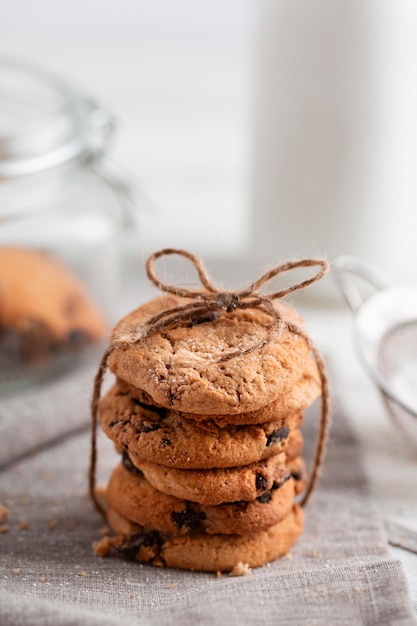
[(212, 300)]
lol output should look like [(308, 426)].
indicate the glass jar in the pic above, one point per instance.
[(61, 220)]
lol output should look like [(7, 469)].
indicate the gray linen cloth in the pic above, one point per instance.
[(47, 411), (339, 572)]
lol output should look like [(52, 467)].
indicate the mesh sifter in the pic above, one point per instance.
[(385, 328)]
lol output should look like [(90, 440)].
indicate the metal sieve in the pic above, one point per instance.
[(385, 329)]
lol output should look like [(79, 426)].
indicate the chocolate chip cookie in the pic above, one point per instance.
[(44, 309), (133, 497), (178, 367), (215, 486), (302, 394), (204, 552), (165, 437)]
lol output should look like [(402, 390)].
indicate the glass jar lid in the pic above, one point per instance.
[(45, 123)]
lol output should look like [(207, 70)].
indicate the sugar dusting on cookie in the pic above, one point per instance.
[(185, 358)]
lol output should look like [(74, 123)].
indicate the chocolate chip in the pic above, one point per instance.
[(261, 482), (278, 435), (149, 427), (77, 337), (166, 442), (128, 465), (160, 412), (32, 343), (188, 518), (135, 542), (277, 484), (265, 497), (297, 475)]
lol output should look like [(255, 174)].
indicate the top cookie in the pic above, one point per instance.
[(178, 367)]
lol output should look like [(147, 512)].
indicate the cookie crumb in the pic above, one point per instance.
[(315, 554), (84, 573), (42, 579), (287, 557), (16, 570), (24, 524), (219, 574), (241, 569), (4, 512), (133, 597), (171, 586), (102, 547), (4, 528)]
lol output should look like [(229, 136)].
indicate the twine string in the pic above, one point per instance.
[(212, 299)]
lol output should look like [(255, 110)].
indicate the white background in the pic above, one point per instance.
[(177, 76), (278, 128)]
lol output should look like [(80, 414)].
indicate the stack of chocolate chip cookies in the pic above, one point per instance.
[(210, 448)]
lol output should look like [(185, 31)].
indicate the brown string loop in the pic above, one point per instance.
[(200, 302), (250, 292)]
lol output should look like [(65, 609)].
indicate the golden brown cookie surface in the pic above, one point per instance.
[(298, 471), (295, 445), (215, 486), (178, 367), (134, 498), (204, 552), (165, 437), (301, 395)]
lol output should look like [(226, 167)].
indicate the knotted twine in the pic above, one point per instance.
[(213, 300)]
